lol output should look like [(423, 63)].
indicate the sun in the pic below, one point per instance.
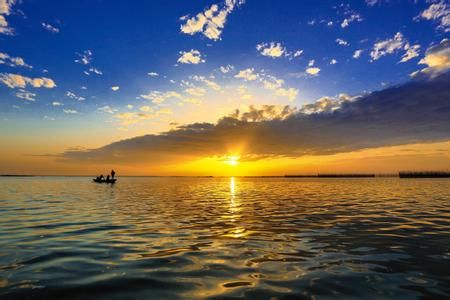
[(232, 160)]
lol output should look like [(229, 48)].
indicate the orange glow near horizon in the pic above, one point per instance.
[(433, 156)]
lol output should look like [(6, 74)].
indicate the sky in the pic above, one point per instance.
[(234, 87)]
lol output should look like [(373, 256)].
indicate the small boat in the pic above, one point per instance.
[(104, 180)]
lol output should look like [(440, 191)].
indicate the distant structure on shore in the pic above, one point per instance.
[(424, 174), (345, 175), (403, 174), (333, 175)]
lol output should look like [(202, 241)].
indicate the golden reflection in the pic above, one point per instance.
[(237, 231), (232, 189), (233, 205)]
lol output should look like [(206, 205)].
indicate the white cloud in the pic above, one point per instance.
[(261, 113), (186, 83), (247, 74), (372, 2), (5, 10), (276, 50), (439, 12), (13, 61), (191, 57), (56, 103), (70, 111), (393, 45), (190, 95), (268, 82), (84, 58), (23, 94), (437, 59), (145, 108), (93, 70), (74, 96), (345, 23), (290, 93), (195, 91), (158, 97), (226, 69), (333, 62), (342, 42), (211, 22), (129, 118), (411, 52), (311, 63), (273, 49), (357, 53), (297, 53), (271, 82), (154, 74), (13, 80), (314, 71), (42, 82), (115, 88), (5, 6), (388, 46), (327, 104), (353, 17), (49, 27), (19, 81), (107, 109), (209, 83)]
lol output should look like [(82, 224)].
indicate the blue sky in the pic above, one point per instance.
[(122, 69)]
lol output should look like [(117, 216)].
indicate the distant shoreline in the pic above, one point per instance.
[(422, 174)]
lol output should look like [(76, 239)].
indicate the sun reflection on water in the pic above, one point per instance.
[(238, 231), (232, 190)]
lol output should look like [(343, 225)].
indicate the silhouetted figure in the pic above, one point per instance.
[(107, 178), (101, 177), (112, 174)]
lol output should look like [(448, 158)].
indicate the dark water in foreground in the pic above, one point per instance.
[(150, 238)]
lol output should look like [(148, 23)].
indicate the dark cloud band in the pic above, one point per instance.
[(416, 112)]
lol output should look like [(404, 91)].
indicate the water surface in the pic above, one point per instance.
[(194, 238)]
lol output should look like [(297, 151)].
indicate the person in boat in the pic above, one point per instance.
[(101, 177), (107, 178), (112, 174)]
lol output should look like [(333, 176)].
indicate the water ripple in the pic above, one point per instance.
[(198, 238)]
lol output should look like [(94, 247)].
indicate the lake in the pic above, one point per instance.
[(196, 238)]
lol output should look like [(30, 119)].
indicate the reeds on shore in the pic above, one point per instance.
[(402, 174), (424, 174), (332, 175)]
